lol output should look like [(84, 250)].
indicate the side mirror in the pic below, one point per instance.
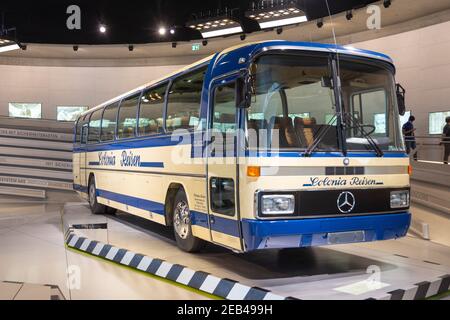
[(244, 95), (401, 99)]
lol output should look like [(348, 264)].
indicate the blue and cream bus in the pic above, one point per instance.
[(265, 145)]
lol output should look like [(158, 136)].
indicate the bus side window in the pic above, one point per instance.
[(151, 111), (185, 95), (109, 122), (94, 126), (126, 124), (78, 131)]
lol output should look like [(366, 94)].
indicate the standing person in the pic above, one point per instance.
[(409, 133), (446, 140)]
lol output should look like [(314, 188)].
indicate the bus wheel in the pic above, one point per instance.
[(96, 208), (182, 225)]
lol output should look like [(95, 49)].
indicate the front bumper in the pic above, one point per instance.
[(269, 234)]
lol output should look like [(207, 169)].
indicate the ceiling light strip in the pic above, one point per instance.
[(222, 32), (282, 22)]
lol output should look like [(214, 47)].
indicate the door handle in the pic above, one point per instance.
[(212, 220)]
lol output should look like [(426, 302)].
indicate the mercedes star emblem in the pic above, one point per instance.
[(346, 202)]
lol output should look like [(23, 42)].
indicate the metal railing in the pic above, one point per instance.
[(430, 149)]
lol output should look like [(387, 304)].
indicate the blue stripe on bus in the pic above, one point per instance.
[(152, 164), (223, 225), (323, 155), (94, 163), (139, 203), (163, 140), (79, 188)]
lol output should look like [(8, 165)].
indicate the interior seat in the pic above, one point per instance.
[(287, 135), (306, 129)]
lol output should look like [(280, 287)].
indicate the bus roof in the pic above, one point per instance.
[(254, 46)]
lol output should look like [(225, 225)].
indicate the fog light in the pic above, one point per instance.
[(399, 199), (278, 204)]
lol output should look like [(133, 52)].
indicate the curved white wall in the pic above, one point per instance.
[(81, 86)]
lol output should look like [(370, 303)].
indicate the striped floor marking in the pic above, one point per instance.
[(421, 291), (199, 280), (224, 288)]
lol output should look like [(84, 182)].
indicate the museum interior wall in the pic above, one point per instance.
[(420, 56)]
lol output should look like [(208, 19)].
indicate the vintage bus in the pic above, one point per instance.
[(265, 145)]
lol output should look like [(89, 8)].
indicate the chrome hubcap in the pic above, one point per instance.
[(92, 194), (181, 220)]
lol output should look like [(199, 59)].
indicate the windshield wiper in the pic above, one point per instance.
[(321, 135), (356, 124)]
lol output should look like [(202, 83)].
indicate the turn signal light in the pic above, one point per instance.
[(254, 172), (410, 170)]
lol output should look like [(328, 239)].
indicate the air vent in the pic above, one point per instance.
[(344, 171)]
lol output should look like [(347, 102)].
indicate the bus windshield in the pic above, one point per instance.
[(294, 105), (368, 98)]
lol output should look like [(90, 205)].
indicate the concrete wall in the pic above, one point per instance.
[(422, 58), (80, 86)]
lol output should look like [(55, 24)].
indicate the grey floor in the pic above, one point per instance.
[(32, 251)]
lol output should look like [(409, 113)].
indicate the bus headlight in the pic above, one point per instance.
[(278, 204), (399, 199)]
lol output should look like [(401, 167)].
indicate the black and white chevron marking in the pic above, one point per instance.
[(224, 288), (422, 290)]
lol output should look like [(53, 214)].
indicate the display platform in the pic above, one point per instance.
[(25, 291), (405, 269)]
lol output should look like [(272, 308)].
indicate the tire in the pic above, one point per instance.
[(96, 208), (182, 225)]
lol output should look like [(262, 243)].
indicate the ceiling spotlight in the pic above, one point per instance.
[(162, 31), (280, 13), (130, 48), (387, 3), (243, 36), (102, 28), (319, 23), (205, 43), (279, 30), (349, 15), (174, 45), (75, 48), (172, 31)]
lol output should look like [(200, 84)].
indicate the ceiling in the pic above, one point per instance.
[(135, 21), (403, 15)]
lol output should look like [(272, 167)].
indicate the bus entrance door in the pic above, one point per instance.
[(224, 220)]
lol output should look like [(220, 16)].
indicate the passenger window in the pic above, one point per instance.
[(94, 127), (84, 134), (222, 196), (151, 111), (109, 122), (127, 117), (78, 131), (224, 115), (184, 101)]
